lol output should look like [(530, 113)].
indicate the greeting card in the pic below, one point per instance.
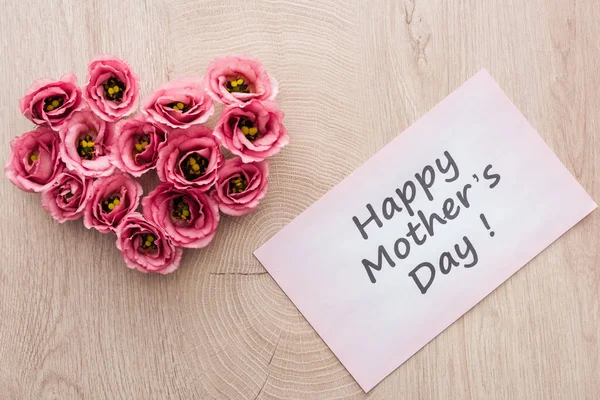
[(424, 230)]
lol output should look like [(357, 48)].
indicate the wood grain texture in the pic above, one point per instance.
[(76, 324)]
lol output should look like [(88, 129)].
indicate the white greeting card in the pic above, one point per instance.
[(424, 230)]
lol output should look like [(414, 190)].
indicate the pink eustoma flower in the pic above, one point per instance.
[(146, 247), (135, 148), (179, 103), (190, 158), (111, 198), (67, 197), (189, 216), (50, 103), (34, 160), (236, 81), (86, 143), (112, 90), (254, 132), (241, 186)]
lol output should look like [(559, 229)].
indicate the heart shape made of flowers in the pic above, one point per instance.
[(91, 142)]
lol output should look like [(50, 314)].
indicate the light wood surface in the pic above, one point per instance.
[(76, 324)]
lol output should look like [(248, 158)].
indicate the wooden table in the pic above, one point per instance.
[(75, 323)]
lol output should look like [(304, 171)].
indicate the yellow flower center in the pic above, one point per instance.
[(86, 147), (179, 106), (237, 85), (110, 203), (52, 103), (33, 157), (181, 209), (148, 242), (142, 142), (238, 184), (194, 166), (248, 129), (113, 89)]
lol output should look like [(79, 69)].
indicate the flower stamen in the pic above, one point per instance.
[(179, 106), (142, 143), (238, 184), (149, 242), (248, 129), (86, 147), (33, 157), (52, 103), (194, 166), (113, 89), (110, 203), (238, 85), (181, 209)]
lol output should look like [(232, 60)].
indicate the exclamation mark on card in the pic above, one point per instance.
[(485, 223)]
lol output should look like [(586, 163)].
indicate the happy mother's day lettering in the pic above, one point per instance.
[(443, 171)]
